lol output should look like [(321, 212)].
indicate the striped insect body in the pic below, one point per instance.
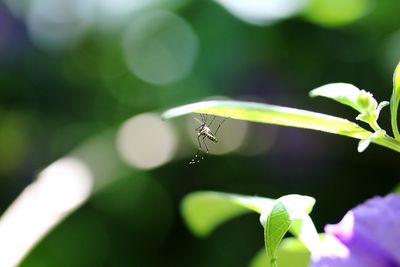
[(203, 132)]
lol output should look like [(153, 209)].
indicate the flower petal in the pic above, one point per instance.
[(371, 234)]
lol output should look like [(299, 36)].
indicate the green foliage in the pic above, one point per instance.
[(344, 93), (205, 211), (360, 100), (275, 227), (394, 101), (284, 116), (272, 114)]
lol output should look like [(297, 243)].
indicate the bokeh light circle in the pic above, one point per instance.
[(145, 141), (263, 12), (336, 13), (57, 24), (160, 47)]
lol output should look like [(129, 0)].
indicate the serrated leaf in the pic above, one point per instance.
[(273, 114), (291, 253), (394, 101), (204, 211), (275, 227)]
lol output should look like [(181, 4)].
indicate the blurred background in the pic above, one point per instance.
[(89, 79)]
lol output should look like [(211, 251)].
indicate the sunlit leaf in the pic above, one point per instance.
[(272, 114), (360, 100), (394, 101), (275, 227), (205, 211), (302, 226), (289, 213), (291, 253), (344, 93)]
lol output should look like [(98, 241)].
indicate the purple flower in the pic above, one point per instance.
[(367, 236)]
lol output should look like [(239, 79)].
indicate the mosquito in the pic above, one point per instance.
[(203, 132)]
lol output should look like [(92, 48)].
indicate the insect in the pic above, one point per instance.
[(203, 132)]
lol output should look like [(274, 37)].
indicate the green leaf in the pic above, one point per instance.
[(272, 114), (204, 211), (360, 100), (291, 253), (394, 101), (275, 227), (344, 93), (302, 226), (279, 115), (289, 213)]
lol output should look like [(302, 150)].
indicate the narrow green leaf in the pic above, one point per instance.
[(394, 101), (291, 253), (279, 115), (204, 211), (276, 225), (272, 114)]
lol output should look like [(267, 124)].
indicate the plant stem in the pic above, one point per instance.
[(274, 262), (393, 111), (388, 142)]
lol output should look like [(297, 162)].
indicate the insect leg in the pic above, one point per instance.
[(196, 156), (204, 142), (211, 121), (203, 118), (216, 131), (198, 140)]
